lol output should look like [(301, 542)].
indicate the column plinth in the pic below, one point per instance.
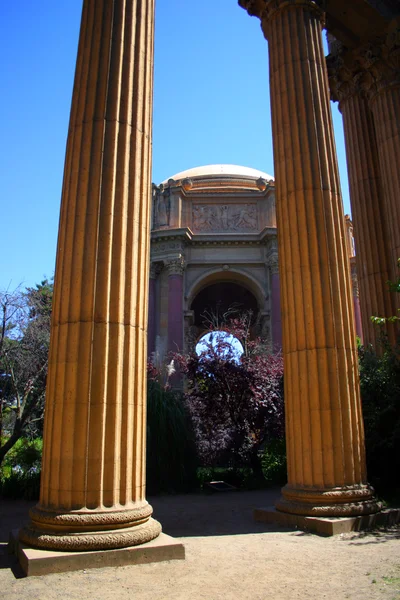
[(324, 428), (93, 473)]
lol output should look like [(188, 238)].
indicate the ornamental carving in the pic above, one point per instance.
[(368, 70), (266, 9), (175, 266), (161, 206), (155, 269), (224, 218), (93, 540)]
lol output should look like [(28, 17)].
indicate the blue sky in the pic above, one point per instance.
[(211, 105)]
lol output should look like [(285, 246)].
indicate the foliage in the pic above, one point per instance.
[(394, 286), (273, 461), (171, 453), (235, 405), (20, 471), (24, 345), (380, 393)]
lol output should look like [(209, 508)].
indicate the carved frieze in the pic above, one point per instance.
[(224, 218)]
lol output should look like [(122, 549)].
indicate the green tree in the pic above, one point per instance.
[(24, 346)]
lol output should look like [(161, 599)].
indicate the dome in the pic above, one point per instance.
[(224, 170)]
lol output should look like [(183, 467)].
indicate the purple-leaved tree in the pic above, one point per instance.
[(236, 404)]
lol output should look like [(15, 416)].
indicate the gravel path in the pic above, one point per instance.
[(228, 556)]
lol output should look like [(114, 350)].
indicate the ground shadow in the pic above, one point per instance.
[(219, 513)]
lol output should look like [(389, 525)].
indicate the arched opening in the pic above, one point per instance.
[(217, 299)]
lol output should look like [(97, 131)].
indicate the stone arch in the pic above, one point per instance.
[(237, 276)]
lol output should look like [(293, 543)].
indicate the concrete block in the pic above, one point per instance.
[(41, 562)]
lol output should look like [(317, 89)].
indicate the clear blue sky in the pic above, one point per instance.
[(211, 105)]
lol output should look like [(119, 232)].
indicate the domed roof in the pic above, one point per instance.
[(224, 170)]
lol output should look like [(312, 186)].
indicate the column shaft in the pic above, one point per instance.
[(386, 110), (93, 477), (371, 231), (151, 334), (324, 429), (276, 321), (175, 312)]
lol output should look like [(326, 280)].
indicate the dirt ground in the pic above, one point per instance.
[(228, 556)]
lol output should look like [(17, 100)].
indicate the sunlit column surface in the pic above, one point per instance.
[(324, 430), (382, 62), (93, 478), (371, 226)]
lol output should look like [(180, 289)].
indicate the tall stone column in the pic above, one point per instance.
[(367, 197), (276, 319), (383, 65), (176, 269), (324, 429), (93, 478)]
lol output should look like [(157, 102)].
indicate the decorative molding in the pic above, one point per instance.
[(267, 10), (161, 206), (175, 266), (86, 519), (155, 269), (93, 540), (225, 217), (272, 259), (367, 71)]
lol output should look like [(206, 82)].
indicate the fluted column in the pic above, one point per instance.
[(93, 478), (324, 429), (370, 225), (384, 94), (175, 304), (367, 197)]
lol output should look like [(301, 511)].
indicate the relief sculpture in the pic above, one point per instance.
[(232, 217)]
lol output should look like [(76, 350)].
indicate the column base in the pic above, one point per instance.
[(36, 562), (328, 526), (86, 529), (346, 501)]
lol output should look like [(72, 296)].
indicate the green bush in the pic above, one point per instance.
[(380, 394), (20, 470), (273, 461), (171, 452)]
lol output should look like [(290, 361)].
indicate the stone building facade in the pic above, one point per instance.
[(214, 246)]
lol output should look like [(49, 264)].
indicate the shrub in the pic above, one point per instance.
[(171, 453), (380, 393), (20, 470)]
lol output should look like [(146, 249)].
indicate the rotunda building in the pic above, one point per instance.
[(213, 247)]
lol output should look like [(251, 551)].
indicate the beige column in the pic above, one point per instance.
[(367, 198), (93, 480), (324, 429)]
